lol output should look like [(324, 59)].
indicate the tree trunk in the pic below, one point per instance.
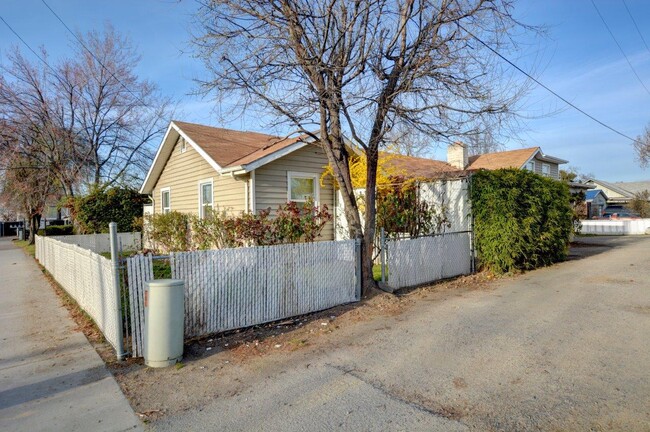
[(370, 221), (34, 223)]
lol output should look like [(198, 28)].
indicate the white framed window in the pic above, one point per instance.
[(165, 200), (302, 186), (182, 144), (530, 166), (206, 197), (546, 170)]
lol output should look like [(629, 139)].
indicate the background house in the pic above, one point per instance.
[(198, 167), (596, 201), (532, 159)]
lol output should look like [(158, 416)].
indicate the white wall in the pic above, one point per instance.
[(616, 227), (450, 196)]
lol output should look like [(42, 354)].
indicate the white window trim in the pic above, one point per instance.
[(162, 202), (209, 181), (182, 144), (298, 174), (530, 165), (547, 167)]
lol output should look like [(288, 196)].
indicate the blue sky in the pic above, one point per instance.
[(577, 58)]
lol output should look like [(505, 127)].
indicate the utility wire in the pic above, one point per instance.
[(619, 46), (636, 26), (539, 83), (93, 54), (28, 47)]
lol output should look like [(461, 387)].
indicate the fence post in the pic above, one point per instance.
[(115, 261), (357, 256), (382, 244)]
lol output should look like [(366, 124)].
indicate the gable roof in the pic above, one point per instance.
[(504, 159), (612, 187), (230, 147), (634, 187), (591, 194), (510, 159), (413, 166), (224, 149)]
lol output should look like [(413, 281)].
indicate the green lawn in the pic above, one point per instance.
[(29, 249), (376, 272)]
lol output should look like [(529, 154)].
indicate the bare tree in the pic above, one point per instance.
[(642, 147), (360, 68), (25, 186), (89, 118), (37, 111), (118, 115)]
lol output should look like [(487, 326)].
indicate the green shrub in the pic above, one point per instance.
[(93, 212), (169, 232), (292, 223), (56, 230), (521, 220)]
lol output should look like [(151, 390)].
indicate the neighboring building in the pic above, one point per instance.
[(634, 188), (616, 195), (459, 164), (596, 203), (199, 167), (532, 159)]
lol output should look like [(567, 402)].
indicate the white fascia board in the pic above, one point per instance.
[(552, 159), (198, 149), (274, 156), (162, 155), (146, 188)]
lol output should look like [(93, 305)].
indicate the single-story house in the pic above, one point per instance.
[(620, 193), (198, 167), (596, 203)]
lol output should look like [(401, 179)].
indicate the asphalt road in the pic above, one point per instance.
[(561, 348)]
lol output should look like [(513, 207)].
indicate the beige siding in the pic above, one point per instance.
[(182, 174), (271, 181), (555, 173)]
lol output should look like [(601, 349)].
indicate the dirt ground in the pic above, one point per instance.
[(238, 356), (560, 348)]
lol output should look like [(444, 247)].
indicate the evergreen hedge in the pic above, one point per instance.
[(93, 212), (521, 220), (56, 230)]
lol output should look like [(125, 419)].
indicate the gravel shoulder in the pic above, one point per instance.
[(560, 348)]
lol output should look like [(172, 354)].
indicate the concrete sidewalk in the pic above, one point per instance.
[(51, 378)]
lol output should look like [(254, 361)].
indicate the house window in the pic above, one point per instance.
[(302, 186), (182, 144), (546, 170), (530, 166), (205, 197), (165, 200)]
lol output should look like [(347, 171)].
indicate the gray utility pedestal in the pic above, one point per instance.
[(164, 322)]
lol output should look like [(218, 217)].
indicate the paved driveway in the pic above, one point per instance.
[(561, 348)]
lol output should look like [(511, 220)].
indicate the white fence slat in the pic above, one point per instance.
[(87, 277), (101, 243), (427, 259)]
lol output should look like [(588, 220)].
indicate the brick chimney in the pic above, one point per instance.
[(457, 155)]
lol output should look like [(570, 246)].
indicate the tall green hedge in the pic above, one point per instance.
[(93, 212), (521, 220)]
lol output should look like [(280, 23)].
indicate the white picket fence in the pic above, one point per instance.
[(423, 260), (101, 243), (88, 278), (616, 227), (233, 288)]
